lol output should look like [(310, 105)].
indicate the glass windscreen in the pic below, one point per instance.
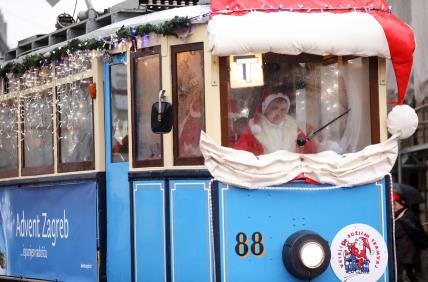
[(119, 113), (76, 139), (304, 103)]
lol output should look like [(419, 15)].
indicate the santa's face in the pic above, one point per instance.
[(277, 111)]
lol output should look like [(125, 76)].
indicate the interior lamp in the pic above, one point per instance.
[(246, 71)]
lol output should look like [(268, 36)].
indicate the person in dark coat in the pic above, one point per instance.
[(409, 239)]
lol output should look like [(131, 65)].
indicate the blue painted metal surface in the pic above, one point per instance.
[(191, 244), (149, 231), (49, 231), (118, 209), (278, 214)]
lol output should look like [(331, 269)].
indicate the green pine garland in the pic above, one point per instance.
[(166, 28)]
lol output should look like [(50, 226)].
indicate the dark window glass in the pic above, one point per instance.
[(76, 137), (119, 113), (189, 101), (147, 78)]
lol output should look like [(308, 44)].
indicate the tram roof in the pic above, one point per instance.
[(102, 27), (330, 27)]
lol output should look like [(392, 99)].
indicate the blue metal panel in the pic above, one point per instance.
[(278, 214), (48, 231), (117, 185), (149, 231), (191, 243)]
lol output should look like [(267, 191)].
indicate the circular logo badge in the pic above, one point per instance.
[(358, 253)]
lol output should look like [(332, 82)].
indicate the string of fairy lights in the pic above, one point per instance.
[(29, 96), (301, 8)]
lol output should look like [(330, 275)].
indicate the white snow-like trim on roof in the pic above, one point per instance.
[(153, 18), (354, 33)]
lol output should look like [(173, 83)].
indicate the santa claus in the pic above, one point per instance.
[(272, 129)]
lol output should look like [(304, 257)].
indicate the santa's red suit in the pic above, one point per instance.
[(190, 131), (359, 249), (262, 136)]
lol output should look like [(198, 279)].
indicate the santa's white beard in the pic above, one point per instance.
[(276, 137)]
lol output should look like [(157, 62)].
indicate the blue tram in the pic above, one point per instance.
[(204, 143)]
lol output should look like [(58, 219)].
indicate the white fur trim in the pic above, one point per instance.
[(354, 33), (402, 121), (272, 97), (254, 127)]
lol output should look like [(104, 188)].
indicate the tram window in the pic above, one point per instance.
[(188, 98), (75, 126), (273, 100), (2, 86), (8, 139), (119, 113), (146, 85), (38, 132), (12, 84)]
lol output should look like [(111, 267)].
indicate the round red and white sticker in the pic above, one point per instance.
[(358, 253)]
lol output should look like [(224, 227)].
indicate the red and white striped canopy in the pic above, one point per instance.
[(335, 27)]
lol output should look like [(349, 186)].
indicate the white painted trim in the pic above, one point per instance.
[(135, 189), (172, 221)]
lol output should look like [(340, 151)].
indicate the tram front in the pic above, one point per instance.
[(301, 188)]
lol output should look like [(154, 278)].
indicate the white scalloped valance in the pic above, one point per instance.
[(244, 169)]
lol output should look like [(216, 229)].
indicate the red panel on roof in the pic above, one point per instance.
[(218, 5)]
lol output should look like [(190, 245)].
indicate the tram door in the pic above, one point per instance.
[(116, 129)]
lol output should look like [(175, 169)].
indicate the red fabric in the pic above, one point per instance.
[(401, 42), (248, 142), (218, 5), (189, 137), (399, 35), (397, 198)]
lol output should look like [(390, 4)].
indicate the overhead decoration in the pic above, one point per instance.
[(170, 27), (176, 26), (367, 28)]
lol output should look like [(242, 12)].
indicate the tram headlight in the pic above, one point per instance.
[(306, 254)]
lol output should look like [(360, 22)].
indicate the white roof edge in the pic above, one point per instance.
[(354, 33), (153, 18)]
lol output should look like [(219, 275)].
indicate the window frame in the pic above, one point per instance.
[(118, 62), (198, 46), (37, 170), (14, 172), (72, 166), (224, 73), (148, 51)]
